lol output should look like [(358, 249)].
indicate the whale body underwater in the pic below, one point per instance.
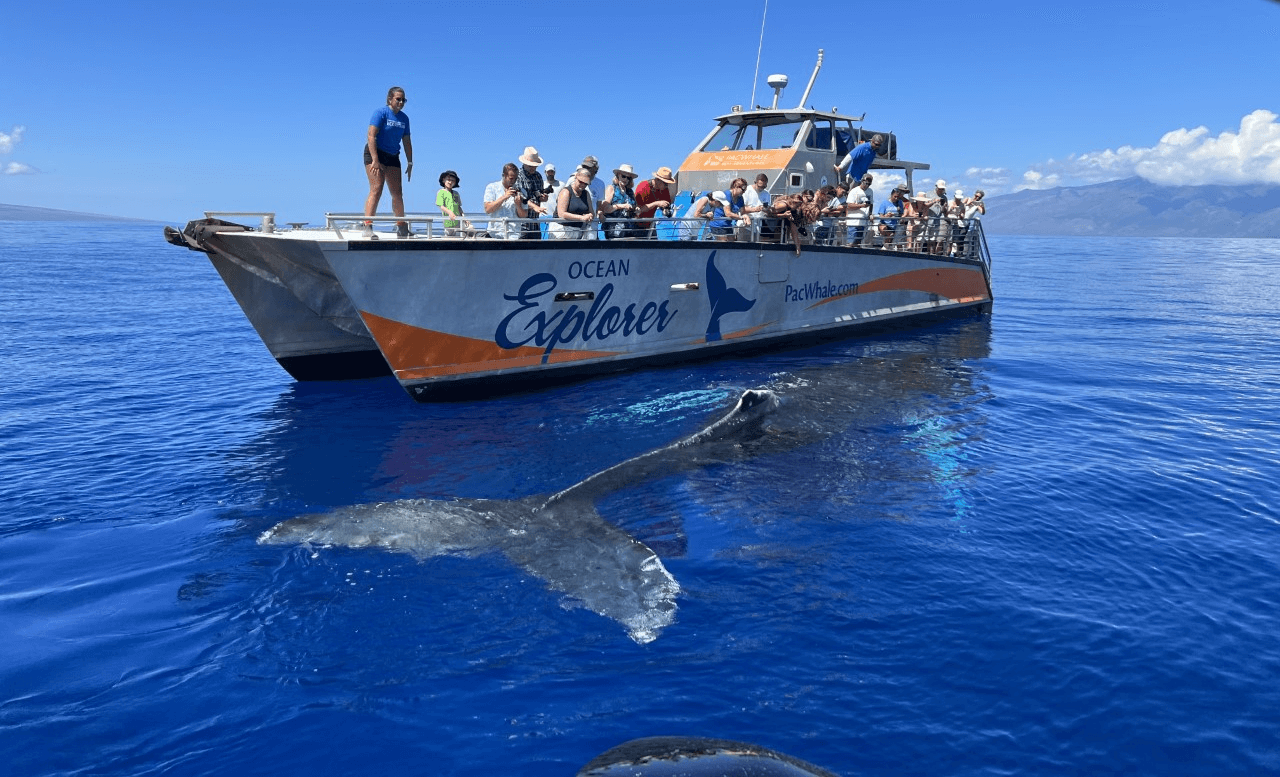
[(560, 539)]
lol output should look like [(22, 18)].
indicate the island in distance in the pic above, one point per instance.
[(1135, 207), (29, 213)]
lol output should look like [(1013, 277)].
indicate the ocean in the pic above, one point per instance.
[(1044, 541)]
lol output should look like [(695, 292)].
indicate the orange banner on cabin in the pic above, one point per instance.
[(714, 161)]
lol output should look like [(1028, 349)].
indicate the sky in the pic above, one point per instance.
[(164, 110)]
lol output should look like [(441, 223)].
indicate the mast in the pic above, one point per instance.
[(812, 78)]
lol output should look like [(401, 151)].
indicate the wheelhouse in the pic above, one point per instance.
[(796, 148)]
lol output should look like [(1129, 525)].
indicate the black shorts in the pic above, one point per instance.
[(387, 160)]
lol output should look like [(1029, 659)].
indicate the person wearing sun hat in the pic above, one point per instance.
[(619, 204), (449, 201), (530, 188), (939, 231), (652, 194)]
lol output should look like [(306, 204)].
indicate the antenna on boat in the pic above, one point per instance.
[(756, 78), (812, 78)]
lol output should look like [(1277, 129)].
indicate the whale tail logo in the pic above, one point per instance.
[(723, 299)]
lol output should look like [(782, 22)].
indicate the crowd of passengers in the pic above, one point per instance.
[(578, 209), (570, 210)]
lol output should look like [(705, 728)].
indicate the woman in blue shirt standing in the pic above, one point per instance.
[(388, 127)]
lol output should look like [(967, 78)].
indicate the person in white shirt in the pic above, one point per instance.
[(756, 198), (974, 210), (502, 201), (858, 208)]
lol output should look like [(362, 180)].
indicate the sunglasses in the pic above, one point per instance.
[(399, 100)]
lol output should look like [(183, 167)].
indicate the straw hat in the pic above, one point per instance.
[(530, 157), (626, 170), (664, 174)]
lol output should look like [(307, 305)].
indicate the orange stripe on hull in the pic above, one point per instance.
[(746, 332), (954, 283), (414, 352)]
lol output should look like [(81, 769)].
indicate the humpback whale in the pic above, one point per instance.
[(696, 757), (560, 539)]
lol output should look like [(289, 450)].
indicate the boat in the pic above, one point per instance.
[(287, 291), (453, 314)]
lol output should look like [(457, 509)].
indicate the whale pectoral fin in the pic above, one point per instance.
[(600, 567)]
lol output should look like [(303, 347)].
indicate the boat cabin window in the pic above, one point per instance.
[(820, 136), (780, 135), (844, 140), (766, 133), (730, 138)]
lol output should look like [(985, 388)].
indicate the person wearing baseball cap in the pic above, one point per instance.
[(592, 166), (891, 215)]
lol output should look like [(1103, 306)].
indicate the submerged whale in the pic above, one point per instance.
[(560, 539), (696, 757)]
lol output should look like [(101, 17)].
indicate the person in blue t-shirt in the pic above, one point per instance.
[(890, 213), (387, 129), (859, 160), (728, 210)]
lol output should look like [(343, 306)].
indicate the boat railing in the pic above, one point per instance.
[(929, 235), (955, 237), (268, 218)]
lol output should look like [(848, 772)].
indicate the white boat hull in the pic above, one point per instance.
[(451, 317)]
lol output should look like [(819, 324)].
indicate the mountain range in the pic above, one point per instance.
[(1130, 207), (1135, 207)]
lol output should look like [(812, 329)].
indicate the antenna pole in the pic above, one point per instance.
[(812, 78), (756, 80)]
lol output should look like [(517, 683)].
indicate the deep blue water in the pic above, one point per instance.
[(1043, 542)]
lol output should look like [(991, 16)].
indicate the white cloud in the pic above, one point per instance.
[(883, 182), (17, 168), (1182, 157), (994, 177), (7, 142)]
